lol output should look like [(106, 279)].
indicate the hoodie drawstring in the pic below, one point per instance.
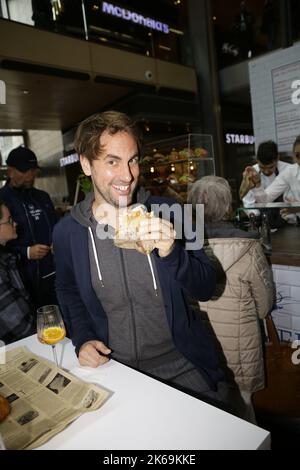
[(153, 275), (96, 257), (98, 266)]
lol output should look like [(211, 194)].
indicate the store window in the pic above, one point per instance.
[(245, 29), (16, 10), (59, 16), (154, 29), (8, 141)]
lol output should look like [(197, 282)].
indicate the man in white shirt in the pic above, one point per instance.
[(268, 167), (287, 183)]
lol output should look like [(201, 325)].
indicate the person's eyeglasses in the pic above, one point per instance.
[(9, 221)]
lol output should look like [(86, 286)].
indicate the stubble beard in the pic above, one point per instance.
[(123, 201)]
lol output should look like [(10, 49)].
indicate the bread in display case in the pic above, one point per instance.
[(168, 167)]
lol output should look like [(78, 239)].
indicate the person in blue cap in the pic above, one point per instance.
[(34, 213)]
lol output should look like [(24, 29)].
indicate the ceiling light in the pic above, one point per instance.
[(164, 47), (176, 31)]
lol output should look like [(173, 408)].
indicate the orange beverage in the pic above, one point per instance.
[(52, 335)]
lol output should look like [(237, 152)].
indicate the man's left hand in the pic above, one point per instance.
[(156, 233)]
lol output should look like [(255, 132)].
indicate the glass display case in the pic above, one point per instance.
[(168, 167)]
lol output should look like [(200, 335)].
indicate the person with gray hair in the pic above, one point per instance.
[(215, 194), (244, 293)]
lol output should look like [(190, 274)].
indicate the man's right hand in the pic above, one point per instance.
[(38, 251), (93, 354), (251, 179)]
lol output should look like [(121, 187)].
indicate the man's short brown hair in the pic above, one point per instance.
[(89, 132)]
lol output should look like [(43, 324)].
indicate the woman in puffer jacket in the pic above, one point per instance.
[(245, 290)]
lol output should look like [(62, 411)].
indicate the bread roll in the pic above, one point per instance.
[(129, 222), (127, 231)]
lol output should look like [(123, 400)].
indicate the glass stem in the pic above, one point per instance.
[(54, 354)]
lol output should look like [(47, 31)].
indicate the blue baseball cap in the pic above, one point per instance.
[(23, 159)]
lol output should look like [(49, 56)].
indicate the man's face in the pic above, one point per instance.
[(19, 179), (297, 153), (269, 169), (116, 170), (7, 226)]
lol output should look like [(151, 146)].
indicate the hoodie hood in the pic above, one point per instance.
[(82, 212)]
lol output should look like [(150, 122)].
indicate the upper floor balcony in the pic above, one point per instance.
[(59, 64)]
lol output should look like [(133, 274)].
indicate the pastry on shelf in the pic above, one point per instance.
[(174, 155), (146, 160), (172, 179), (187, 178), (159, 157), (201, 152), (186, 153)]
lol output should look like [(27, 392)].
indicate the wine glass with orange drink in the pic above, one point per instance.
[(50, 327)]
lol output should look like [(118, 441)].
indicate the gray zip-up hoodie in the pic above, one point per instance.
[(127, 285)]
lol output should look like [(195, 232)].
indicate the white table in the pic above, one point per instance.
[(143, 413)]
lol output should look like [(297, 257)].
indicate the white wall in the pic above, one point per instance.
[(4, 9), (20, 11), (287, 314), (48, 147), (264, 92)]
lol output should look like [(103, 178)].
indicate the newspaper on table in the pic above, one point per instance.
[(44, 399)]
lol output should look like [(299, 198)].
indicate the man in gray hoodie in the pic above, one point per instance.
[(121, 303)]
